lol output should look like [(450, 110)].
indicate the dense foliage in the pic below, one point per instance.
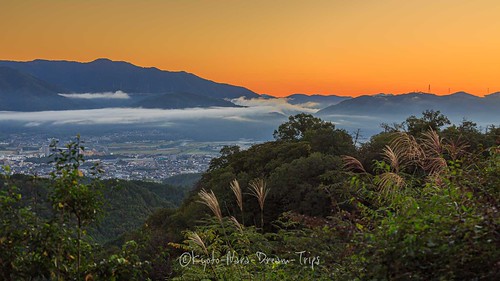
[(51, 227), (416, 202)]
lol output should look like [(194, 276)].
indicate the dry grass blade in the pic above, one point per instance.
[(456, 149), (352, 164), (433, 147), (435, 165), (432, 143), (235, 187), (258, 190), (198, 241), (209, 199), (237, 223), (390, 183), (392, 157), (407, 149)]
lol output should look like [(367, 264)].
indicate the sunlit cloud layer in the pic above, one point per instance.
[(132, 115), (105, 95), (280, 104), (252, 110)]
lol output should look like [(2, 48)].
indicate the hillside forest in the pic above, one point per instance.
[(418, 201)]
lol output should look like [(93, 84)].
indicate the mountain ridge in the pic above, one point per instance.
[(40, 83), (321, 100), (105, 75), (44, 83), (459, 103), (30, 92)]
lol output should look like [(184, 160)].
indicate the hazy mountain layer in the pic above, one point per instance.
[(321, 101), (23, 92), (459, 104), (57, 85)]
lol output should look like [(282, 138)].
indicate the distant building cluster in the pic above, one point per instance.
[(129, 160), (154, 168)]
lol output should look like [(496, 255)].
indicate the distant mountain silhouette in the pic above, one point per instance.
[(266, 96), (456, 105), (322, 101), (37, 85), (104, 75), (181, 100), (493, 96), (22, 92)]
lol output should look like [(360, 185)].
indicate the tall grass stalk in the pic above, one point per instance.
[(259, 190), (235, 187), (209, 199)]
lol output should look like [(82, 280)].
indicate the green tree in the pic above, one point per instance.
[(225, 155), (328, 140), (466, 132), (50, 242), (430, 120), (297, 126), (77, 202), (16, 230), (296, 186)]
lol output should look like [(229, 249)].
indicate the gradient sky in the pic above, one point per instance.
[(346, 47)]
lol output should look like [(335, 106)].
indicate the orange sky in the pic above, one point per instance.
[(346, 47)]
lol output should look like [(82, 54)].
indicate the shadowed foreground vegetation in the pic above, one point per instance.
[(416, 202)]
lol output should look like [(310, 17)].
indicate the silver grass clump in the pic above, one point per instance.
[(235, 187), (209, 199), (433, 162), (258, 190)]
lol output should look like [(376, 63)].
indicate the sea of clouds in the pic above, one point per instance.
[(250, 110), (106, 95)]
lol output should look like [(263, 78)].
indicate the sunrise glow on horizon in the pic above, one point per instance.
[(347, 48)]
